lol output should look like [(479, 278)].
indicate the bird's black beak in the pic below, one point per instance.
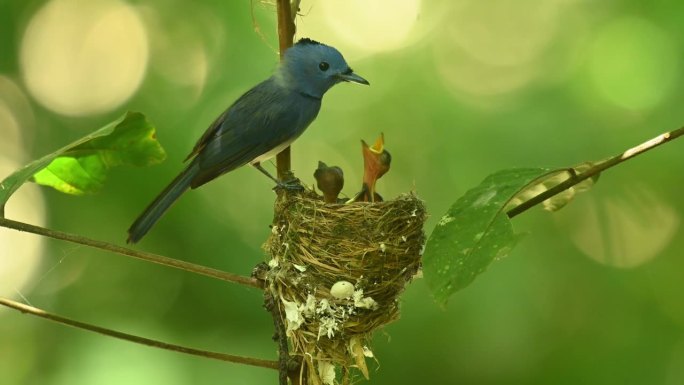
[(350, 76)]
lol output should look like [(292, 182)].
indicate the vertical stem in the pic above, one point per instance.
[(272, 306), (286, 31)]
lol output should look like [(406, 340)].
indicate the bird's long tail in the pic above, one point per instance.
[(161, 203)]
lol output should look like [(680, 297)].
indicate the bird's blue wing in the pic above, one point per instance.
[(208, 134), (261, 120), (218, 127)]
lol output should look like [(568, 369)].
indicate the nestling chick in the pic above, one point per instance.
[(329, 180), (376, 163)]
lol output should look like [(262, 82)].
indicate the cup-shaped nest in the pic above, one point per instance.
[(336, 273)]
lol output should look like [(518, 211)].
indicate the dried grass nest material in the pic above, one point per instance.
[(375, 247)]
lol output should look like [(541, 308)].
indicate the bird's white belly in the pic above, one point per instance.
[(275, 151)]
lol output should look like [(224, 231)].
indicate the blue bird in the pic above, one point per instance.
[(260, 124)]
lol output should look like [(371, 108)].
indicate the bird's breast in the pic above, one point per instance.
[(273, 152)]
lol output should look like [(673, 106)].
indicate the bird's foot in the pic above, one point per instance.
[(293, 184)]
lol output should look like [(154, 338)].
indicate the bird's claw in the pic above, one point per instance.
[(293, 184)]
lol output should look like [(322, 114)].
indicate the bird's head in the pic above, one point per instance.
[(313, 68), (376, 159), (330, 180), (376, 162)]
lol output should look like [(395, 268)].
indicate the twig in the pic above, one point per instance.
[(286, 31), (595, 170), (139, 340), (149, 257), (257, 27)]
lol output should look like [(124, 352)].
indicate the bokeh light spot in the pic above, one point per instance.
[(124, 363), (502, 32), (16, 117), (491, 49), (633, 63), (179, 48), (466, 77), (360, 27), (20, 253), (9, 129), (84, 57), (623, 232)]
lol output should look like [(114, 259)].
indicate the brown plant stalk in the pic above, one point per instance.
[(269, 364)]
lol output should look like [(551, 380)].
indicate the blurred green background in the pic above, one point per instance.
[(460, 88)]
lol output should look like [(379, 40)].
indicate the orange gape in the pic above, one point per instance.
[(376, 162)]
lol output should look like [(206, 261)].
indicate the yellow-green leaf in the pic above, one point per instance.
[(81, 167)]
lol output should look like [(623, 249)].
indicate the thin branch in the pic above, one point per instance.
[(596, 169), (139, 340), (149, 257), (257, 27), (286, 31)]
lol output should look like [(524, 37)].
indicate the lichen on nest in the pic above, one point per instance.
[(374, 247)]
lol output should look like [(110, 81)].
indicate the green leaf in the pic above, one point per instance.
[(82, 166), (474, 232)]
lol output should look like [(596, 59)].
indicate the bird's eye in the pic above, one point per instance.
[(324, 66)]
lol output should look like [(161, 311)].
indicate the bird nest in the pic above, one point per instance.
[(336, 273)]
